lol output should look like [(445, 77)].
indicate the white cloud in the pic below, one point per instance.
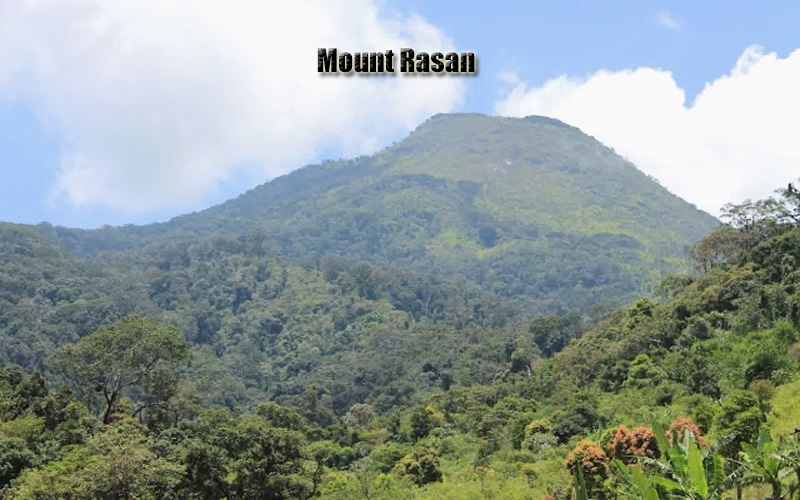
[(737, 140), (667, 20), (157, 102)]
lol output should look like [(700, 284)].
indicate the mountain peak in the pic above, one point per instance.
[(445, 119), (531, 207)]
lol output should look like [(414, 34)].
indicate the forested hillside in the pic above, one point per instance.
[(688, 394), (529, 209), (491, 308), (264, 328), (374, 280)]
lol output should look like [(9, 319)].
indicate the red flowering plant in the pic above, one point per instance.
[(628, 445), (592, 461), (680, 425)]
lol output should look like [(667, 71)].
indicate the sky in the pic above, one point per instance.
[(135, 111)]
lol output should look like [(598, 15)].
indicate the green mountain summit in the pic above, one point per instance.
[(442, 308), (360, 277), (531, 209)]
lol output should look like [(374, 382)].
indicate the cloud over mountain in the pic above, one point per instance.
[(156, 103), (737, 140)]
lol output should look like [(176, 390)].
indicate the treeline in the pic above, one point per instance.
[(334, 331)]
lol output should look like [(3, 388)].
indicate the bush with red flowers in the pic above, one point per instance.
[(680, 425), (627, 445)]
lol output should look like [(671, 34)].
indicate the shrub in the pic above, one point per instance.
[(421, 466), (592, 461), (530, 473), (680, 425), (629, 444)]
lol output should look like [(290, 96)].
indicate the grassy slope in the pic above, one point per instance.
[(545, 172)]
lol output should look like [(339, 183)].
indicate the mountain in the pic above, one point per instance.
[(440, 309), (396, 385), (377, 279), (531, 209)]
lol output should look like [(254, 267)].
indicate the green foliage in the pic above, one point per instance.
[(281, 416), (15, 455), (552, 333), (579, 417), (387, 455), (360, 328), (134, 356), (740, 419), (643, 372), (685, 472), (503, 217), (359, 416), (724, 245), (116, 463), (764, 464), (420, 423), (538, 435), (672, 284), (421, 465)]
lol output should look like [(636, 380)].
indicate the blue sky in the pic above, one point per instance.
[(118, 112), (542, 40)]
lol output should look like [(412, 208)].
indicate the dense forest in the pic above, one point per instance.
[(385, 333), (690, 394), (366, 280), (531, 209)]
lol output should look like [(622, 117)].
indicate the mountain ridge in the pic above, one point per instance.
[(356, 164), (375, 279), (521, 206)]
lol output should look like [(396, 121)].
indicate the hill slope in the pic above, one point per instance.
[(531, 209), (356, 280), (433, 400)]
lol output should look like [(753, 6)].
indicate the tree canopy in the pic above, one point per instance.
[(134, 357)]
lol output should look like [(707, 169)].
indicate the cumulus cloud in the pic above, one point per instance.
[(157, 102), (737, 140), (667, 20)]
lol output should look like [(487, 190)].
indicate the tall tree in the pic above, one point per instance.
[(117, 463), (134, 357)]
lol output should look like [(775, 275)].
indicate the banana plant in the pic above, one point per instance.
[(682, 472), (581, 491), (767, 464), (639, 485)]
